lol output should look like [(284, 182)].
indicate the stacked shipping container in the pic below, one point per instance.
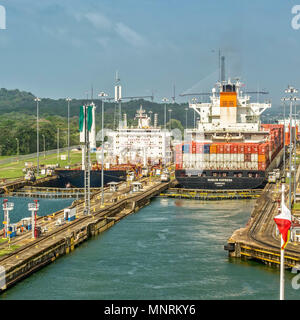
[(230, 156)]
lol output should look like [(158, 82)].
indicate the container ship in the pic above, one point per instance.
[(230, 148)]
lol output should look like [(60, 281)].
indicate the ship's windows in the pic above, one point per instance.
[(215, 174), (224, 174), (250, 175), (240, 175)]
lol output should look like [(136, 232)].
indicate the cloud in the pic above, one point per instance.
[(129, 35), (98, 20), (109, 29)]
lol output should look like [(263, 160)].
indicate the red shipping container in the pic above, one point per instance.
[(262, 148), (227, 148), (247, 148), (199, 147), (241, 148), (220, 148), (193, 147), (234, 148), (254, 148), (247, 157), (178, 148)]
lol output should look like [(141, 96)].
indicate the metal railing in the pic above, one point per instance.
[(33, 155)]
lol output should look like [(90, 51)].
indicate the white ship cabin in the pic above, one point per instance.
[(229, 113), (144, 144)]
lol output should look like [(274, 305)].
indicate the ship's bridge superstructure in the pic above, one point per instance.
[(229, 110), (145, 143)]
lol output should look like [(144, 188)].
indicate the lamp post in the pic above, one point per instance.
[(295, 148), (68, 100), (165, 100), (57, 144), (186, 110), (194, 100), (44, 145), (18, 151), (102, 96), (292, 91), (37, 100), (170, 111), (284, 138), (150, 112)]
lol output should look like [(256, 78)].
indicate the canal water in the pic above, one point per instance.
[(168, 250), (46, 206)]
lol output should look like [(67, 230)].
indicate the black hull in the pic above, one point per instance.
[(208, 179), (76, 178)]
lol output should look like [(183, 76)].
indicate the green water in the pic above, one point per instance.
[(165, 251)]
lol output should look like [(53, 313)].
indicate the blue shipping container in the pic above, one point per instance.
[(206, 148), (186, 148)]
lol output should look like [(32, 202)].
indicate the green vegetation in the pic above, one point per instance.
[(18, 120), (296, 206), (14, 170), (7, 250)]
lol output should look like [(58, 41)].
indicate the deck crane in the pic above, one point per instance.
[(118, 97)]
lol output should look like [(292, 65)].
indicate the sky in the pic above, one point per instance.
[(60, 48)]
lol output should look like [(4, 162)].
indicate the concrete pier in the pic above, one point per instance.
[(258, 240)]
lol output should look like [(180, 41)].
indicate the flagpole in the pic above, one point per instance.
[(282, 253)]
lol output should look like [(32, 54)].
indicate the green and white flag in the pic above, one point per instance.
[(89, 117), (81, 118)]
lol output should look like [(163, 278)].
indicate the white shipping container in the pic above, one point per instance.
[(254, 157), (199, 157), (230, 165), (220, 157), (213, 157), (206, 164), (241, 165), (220, 165), (213, 165), (234, 165), (206, 157), (227, 157), (255, 166), (199, 165), (248, 165), (234, 157), (241, 157), (227, 164)]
